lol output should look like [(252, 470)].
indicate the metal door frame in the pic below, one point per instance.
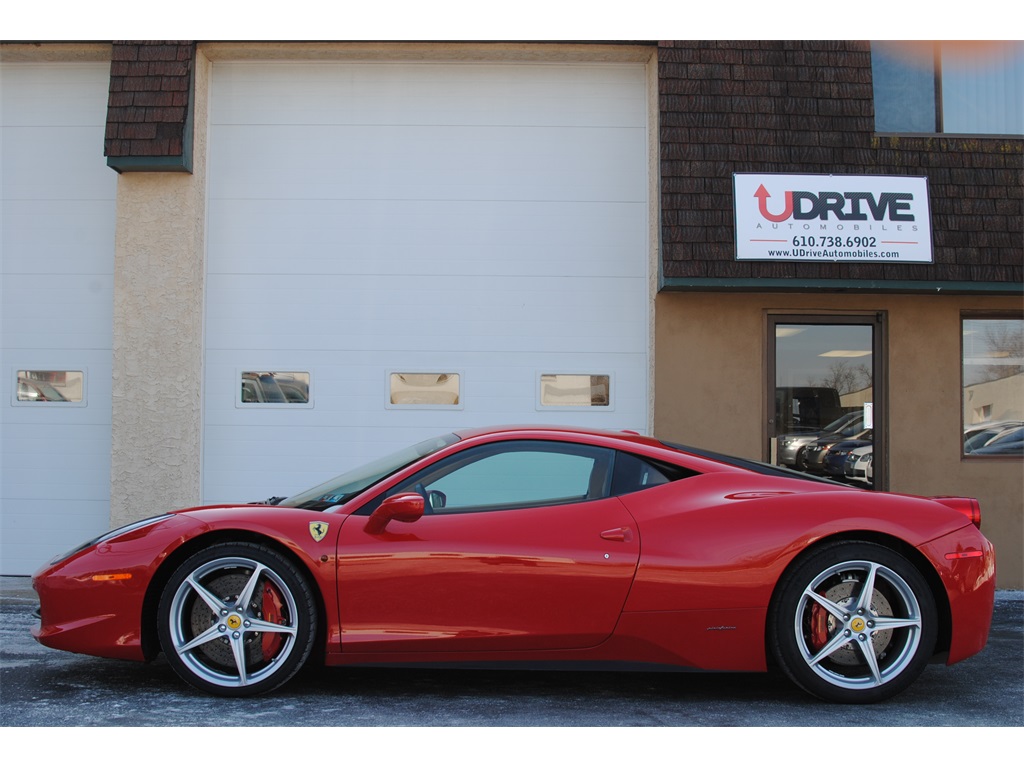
[(878, 321)]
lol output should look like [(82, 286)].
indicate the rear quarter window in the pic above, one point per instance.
[(635, 473)]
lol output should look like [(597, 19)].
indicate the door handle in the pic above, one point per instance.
[(617, 534)]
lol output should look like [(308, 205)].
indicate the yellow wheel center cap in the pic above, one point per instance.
[(234, 621), (858, 624)]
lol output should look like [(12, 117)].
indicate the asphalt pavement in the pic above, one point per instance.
[(43, 687)]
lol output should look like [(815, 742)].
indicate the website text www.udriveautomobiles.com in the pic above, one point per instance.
[(832, 247)]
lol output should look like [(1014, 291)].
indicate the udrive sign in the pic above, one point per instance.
[(832, 218)]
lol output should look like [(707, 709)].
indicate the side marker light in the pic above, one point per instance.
[(964, 555)]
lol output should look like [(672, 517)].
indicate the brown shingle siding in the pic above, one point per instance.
[(124, 53), (147, 107), (175, 69), (151, 51), (806, 107)]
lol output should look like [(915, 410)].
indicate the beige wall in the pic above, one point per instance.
[(709, 391), (159, 276)]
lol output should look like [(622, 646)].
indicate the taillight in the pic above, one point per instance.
[(969, 507)]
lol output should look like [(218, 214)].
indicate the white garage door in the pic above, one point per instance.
[(57, 307), (422, 243)]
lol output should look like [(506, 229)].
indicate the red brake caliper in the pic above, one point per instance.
[(272, 613), (819, 627)]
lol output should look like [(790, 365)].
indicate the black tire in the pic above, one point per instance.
[(800, 462), (237, 619), (842, 644)]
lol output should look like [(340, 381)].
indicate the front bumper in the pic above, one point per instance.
[(91, 601), (97, 620)]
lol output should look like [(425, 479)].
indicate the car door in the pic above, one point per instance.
[(522, 548)]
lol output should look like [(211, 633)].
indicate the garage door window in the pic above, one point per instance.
[(275, 388), (50, 387), (409, 389), (574, 390)]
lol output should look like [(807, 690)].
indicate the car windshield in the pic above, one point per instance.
[(38, 390), (340, 489), (839, 423)]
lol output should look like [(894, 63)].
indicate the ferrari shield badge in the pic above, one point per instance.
[(318, 530)]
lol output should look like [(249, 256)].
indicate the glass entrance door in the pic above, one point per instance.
[(826, 404)]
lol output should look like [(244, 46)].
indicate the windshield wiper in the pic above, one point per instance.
[(273, 501), (319, 505)]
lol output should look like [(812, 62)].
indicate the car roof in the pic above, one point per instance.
[(549, 430)]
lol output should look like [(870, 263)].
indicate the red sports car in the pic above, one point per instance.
[(540, 545)]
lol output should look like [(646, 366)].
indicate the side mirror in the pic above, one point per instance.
[(405, 508)]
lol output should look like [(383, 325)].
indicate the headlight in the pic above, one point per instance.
[(138, 524)]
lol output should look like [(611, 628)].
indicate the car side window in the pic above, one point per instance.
[(634, 473), (514, 475)]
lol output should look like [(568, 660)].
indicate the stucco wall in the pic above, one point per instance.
[(158, 333), (709, 391)]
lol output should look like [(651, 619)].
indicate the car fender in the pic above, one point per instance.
[(724, 546), (308, 537)]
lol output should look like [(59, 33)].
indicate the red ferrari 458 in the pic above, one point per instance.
[(540, 545)]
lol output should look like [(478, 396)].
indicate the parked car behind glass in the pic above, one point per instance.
[(814, 454), (979, 436), (1009, 442), (834, 460), (790, 445), (858, 461), (33, 390)]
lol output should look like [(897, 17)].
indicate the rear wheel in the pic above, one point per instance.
[(237, 619), (853, 623)]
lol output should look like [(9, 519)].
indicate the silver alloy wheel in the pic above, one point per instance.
[(858, 625), (233, 622)]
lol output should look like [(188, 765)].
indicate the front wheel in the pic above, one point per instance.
[(853, 623), (237, 619)]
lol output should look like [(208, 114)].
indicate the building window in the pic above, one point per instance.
[(574, 390), (948, 87), (50, 387), (993, 387), (424, 390), (275, 388)]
